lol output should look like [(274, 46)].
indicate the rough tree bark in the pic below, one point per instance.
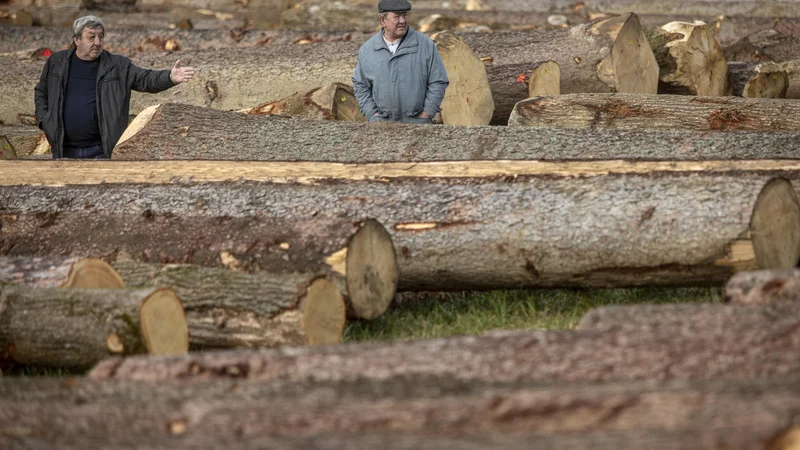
[(765, 45), (690, 59), (514, 224), (187, 132), (688, 349), (468, 98), (757, 80), (705, 8), (55, 272), (440, 406), (763, 286), (79, 327), (334, 101), (658, 112), (227, 308)]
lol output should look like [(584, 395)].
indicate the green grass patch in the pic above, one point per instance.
[(438, 315)]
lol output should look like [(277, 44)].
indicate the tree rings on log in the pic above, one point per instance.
[(545, 80), (468, 98), (690, 59), (757, 80), (372, 271), (79, 327), (59, 272), (775, 226), (334, 101)]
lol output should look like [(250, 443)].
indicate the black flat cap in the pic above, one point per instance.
[(385, 6)]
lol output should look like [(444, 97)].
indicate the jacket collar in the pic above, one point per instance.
[(410, 40)]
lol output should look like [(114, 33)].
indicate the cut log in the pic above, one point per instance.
[(227, 308), (757, 80), (793, 69), (765, 45), (7, 151), (468, 98), (690, 59), (186, 132), (334, 101), (763, 286), (79, 327), (59, 272), (712, 345), (270, 239), (48, 408), (545, 80), (705, 8), (25, 140), (517, 223), (612, 55), (658, 112)]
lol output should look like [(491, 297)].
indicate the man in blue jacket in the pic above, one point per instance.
[(400, 76), (84, 94)]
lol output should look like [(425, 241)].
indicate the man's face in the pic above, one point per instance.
[(395, 25), (90, 44)]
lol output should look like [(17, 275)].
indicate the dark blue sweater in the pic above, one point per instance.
[(81, 128)]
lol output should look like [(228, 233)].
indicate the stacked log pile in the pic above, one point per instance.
[(243, 211)]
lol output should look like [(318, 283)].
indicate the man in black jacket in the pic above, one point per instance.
[(83, 96)]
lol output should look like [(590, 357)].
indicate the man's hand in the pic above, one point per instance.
[(424, 115), (180, 74)]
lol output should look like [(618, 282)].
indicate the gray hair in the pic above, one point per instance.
[(86, 22)]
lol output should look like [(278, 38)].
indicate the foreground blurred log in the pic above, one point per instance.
[(413, 406), (669, 223), (59, 272), (79, 327), (710, 343), (658, 112), (757, 80), (612, 55), (763, 286), (227, 308), (174, 131), (334, 101), (690, 59)]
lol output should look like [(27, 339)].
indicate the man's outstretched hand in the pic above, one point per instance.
[(180, 74)]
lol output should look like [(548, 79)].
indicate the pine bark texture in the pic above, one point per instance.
[(757, 80), (187, 132), (763, 286), (530, 225), (658, 112), (70, 327), (724, 347), (226, 308), (115, 411)]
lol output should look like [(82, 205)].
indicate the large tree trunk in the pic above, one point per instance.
[(79, 327), (757, 80), (690, 59), (173, 131), (659, 112), (334, 101), (25, 140), (707, 344), (59, 272), (763, 286), (592, 58), (703, 8), (516, 224), (120, 410)]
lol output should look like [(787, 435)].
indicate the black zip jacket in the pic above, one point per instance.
[(116, 77)]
